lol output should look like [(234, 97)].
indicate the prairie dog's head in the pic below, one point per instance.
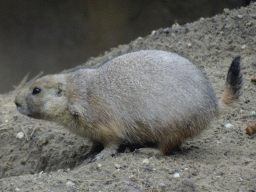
[(44, 99)]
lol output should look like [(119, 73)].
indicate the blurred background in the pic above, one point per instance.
[(52, 35)]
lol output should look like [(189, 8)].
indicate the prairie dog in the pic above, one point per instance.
[(144, 96)]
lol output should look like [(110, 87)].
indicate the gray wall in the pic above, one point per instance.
[(50, 36)]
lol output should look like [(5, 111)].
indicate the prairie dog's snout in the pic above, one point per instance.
[(145, 96)]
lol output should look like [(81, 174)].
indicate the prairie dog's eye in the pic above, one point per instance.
[(36, 91)]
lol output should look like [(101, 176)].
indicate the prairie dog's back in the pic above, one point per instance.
[(156, 82)]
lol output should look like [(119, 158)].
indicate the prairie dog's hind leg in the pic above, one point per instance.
[(96, 147), (110, 149)]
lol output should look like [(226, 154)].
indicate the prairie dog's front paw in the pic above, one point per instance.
[(103, 154)]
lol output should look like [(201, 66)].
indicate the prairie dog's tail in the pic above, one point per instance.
[(233, 83)]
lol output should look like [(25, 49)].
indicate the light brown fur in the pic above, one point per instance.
[(145, 96)]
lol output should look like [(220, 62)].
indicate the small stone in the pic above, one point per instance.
[(253, 113), (243, 46), (240, 16), (228, 125), (145, 161), (115, 172), (162, 184), (189, 45), (153, 32), (99, 165), (226, 10), (253, 79), (131, 177), (17, 189), (6, 121), (175, 25), (117, 166), (228, 26), (248, 24), (176, 175), (70, 183), (20, 135), (23, 161), (134, 171)]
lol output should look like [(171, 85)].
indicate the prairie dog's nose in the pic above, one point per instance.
[(17, 103)]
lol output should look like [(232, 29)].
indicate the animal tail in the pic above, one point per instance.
[(233, 83)]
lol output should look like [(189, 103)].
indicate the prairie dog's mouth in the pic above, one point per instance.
[(21, 110)]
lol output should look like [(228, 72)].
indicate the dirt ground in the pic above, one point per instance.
[(222, 158)]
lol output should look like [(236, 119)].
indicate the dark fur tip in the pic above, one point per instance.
[(235, 65), (234, 77)]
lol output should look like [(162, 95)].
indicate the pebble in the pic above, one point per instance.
[(226, 10), (17, 189), (162, 184), (228, 26), (228, 125), (176, 175), (189, 45), (253, 79), (253, 113), (145, 161), (70, 183), (20, 135), (175, 25), (243, 46), (117, 166), (240, 16), (115, 172), (99, 166), (153, 32), (249, 24)]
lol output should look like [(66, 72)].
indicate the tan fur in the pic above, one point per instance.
[(145, 96), (227, 98)]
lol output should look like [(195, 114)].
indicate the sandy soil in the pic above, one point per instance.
[(49, 158)]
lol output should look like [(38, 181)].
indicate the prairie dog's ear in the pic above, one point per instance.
[(61, 89)]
